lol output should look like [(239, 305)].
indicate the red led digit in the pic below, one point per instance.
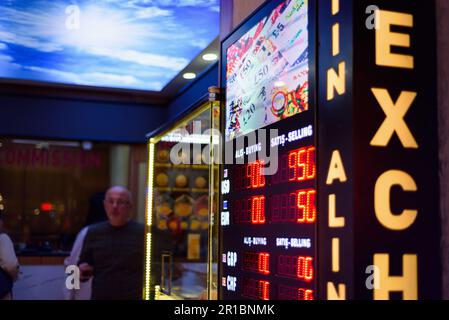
[(257, 289), (261, 173), (292, 161), (300, 268), (264, 263), (286, 292), (305, 294), (306, 206), (262, 209), (302, 206), (254, 180), (301, 164), (258, 210), (259, 177), (264, 290), (308, 295), (249, 173), (254, 213), (311, 167), (311, 213), (308, 275), (254, 175), (305, 268), (258, 262)]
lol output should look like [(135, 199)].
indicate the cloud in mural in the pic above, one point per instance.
[(136, 44)]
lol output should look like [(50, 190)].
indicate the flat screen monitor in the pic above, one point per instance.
[(267, 70)]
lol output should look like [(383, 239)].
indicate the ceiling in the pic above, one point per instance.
[(124, 44)]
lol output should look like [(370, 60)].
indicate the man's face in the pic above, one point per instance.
[(118, 207)]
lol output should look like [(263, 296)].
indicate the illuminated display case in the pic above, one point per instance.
[(182, 236)]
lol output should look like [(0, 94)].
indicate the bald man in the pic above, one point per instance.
[(113, 251)]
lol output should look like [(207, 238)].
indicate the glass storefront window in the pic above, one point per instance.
[(51, 189)]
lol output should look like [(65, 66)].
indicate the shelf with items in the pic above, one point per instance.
[(181, 180), (179, 177), (191, 190), (182, 166)]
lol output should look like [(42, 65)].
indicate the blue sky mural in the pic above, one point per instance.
[(133, 44)]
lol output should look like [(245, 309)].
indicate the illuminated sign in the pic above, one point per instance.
[(352, 209), (46, 206), (269, 221), (52, 158), (378, 204)]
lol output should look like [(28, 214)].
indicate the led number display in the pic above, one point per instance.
[(297, 165), (257, 261), (299, 267), (254, 174), (298, 206), (301, 164), (256, 289), (287, 292), (268, 218), (249, 176)]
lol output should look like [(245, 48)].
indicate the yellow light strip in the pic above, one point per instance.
[(149, 219), (335, 7), (150, 184), (336, 39), (149, 201), (211, 207)]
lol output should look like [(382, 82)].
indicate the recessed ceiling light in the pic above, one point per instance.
[(86, 145), (189, 75), (210, 57)]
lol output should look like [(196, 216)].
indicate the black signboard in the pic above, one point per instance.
[(329, 189)]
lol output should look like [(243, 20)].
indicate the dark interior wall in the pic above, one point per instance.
[(442, 12), (35, 116), (56, 118), (193, 93)]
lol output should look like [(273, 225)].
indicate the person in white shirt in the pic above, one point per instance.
[(85, 290), (8, 258)]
